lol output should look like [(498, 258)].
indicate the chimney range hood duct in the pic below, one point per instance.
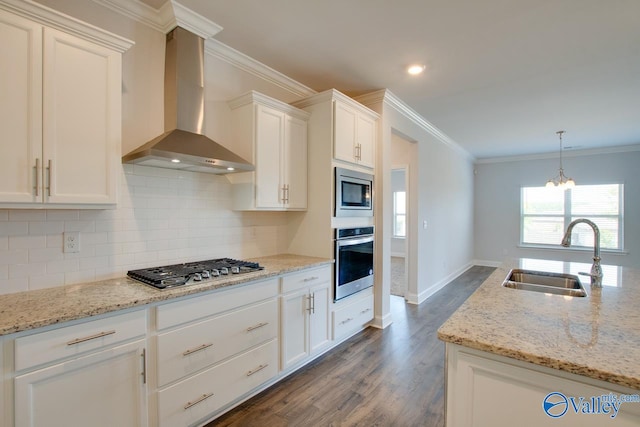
[(183, 145)]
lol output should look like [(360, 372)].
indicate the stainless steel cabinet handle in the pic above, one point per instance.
[(198, 400), (310, 279), (346, 320), (259, 325), (144, 365), (37, 182), (91, 337), (364, 311), (196, 349), (313, 303), (309, 304), (258, 369), (49, 178), (287, 193)]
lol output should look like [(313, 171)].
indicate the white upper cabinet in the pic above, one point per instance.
[(273, 136), (60, 113), (354, 135), (352, 126)]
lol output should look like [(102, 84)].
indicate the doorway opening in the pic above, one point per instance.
[(403, 177)]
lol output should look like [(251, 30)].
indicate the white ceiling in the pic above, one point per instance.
[(502, 76)]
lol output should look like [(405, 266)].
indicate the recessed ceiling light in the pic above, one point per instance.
[(231, 169), (175, 160), (415, 69)]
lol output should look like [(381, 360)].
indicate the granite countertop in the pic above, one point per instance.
[(597, 336), (34, 309)]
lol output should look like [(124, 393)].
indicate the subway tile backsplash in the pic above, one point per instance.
[(163, 216)]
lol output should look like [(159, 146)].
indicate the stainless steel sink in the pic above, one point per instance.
[(545, 282)]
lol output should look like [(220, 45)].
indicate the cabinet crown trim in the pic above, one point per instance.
[(335, 95), (59, 21), (257, 97)]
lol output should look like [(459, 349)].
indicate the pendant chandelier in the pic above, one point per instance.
[(561, 180)]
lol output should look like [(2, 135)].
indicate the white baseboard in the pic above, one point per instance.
[(422, 296), (485, 263), (381, 322)]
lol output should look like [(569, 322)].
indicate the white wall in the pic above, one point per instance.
[(163, 216), (441, 182), (497, 204)]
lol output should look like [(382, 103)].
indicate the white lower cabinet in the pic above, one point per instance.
[(105, 389), (197, 397), (91, 373), (305, 315), (489, 390), (352, 315), (206, 364)]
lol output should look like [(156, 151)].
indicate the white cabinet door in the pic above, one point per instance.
[(295, 163), (295, 326), (344, 137), (20, 108), (365, 140), (81, 120), (305, 323), (103, 389), (274, 135), (319, 334), (269, 134)]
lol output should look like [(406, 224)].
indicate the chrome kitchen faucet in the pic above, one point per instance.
[(596, 269)]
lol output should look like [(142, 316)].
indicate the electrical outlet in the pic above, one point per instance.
[(71, 241)]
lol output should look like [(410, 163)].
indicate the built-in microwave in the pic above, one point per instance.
[(354, 193)]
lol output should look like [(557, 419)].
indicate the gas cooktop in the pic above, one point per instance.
[(192, 272)]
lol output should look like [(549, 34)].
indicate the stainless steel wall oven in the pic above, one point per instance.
[(354, 261)]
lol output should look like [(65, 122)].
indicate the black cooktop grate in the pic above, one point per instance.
[(180, 274)]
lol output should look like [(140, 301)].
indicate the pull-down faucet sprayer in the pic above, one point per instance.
[(596, 269)]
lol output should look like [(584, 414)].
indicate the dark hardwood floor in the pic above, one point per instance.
[(390, 377)]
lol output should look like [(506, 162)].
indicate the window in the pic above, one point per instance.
[(399, 214), (546, 214)]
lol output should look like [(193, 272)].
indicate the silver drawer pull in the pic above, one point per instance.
[(311, 279), (194, 350), (198, 400), (258, 326), (365, 311), (258, 369), (91, 337), (346, 320)]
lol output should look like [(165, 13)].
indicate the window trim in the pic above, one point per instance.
[(396, 214), (568, 217)]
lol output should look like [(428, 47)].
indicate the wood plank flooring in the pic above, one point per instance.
[(390, 377)]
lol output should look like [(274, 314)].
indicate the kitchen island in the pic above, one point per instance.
[(508, 350)]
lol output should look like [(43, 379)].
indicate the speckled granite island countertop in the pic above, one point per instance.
[(597, 336), (29, 310)]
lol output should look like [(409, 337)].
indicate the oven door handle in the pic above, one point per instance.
[(354, 241)]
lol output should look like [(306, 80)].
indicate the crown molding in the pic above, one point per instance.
[(170, 15), (54, 19), (173, 13), (256, 97), (390, 99), (239, 60), (565, 154)]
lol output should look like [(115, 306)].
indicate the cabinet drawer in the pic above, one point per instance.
[(352, 317), (295, 281), (197, 397), (201, 306), (78, 339), (186, 350)]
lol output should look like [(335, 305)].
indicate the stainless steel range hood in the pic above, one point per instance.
[(183, 145)]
